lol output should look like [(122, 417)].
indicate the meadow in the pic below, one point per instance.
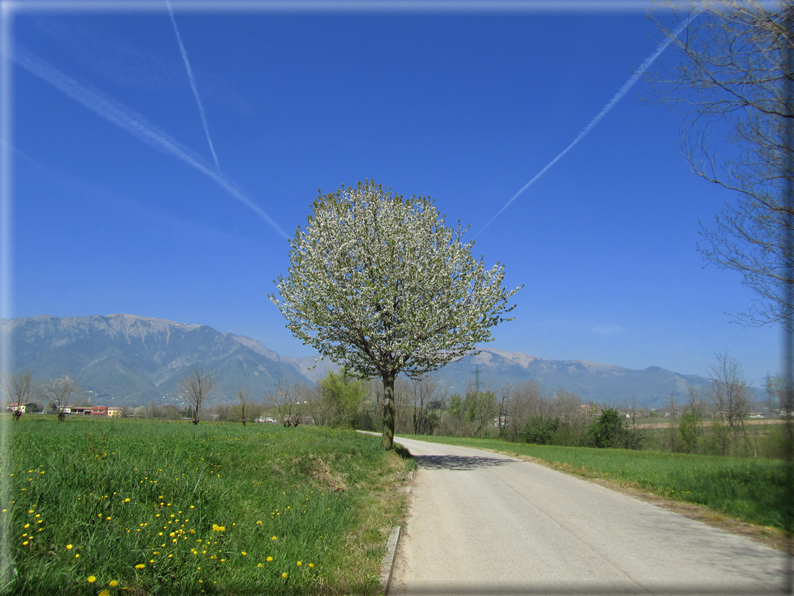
[(143, 507), (751, 490)]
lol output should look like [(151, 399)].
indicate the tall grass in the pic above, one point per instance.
[(753, 490), (169, 508)]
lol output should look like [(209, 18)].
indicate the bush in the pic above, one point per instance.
[(608, 431), (540, 430)]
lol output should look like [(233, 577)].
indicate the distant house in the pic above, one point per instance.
[(23, 408), (115, 412), (87, 410)]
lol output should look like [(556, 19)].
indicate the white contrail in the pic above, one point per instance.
[(192, 80), (611, 104), (133, 123)]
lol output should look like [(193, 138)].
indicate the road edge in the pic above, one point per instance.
[(387, 563)]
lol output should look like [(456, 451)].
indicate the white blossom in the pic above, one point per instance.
[(380, 285)]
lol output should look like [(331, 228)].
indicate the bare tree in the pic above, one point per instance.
[(286, 399), (19, 387), (195, 386), (423, 389), (525, 401), (59, 392), (738, 134), (730, 395), (504, 398), (243, 399)]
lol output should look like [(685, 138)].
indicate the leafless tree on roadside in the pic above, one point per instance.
[(730, 395), (504, 400), (19, 387), (59, 392), (730, 86), (525, 400), (195, 386), (423, 389), (243, 399)]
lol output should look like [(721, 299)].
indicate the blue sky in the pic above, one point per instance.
[(465, 108)]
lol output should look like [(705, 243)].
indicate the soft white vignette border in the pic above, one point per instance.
[(10, 8)]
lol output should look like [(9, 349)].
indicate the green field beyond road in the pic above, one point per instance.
[(752, 490), (136, 507)]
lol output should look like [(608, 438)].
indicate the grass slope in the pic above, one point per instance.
[(135, 507), (752, 490)]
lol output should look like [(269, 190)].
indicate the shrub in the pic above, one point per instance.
[(540, 430)]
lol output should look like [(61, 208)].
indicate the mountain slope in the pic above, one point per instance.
[(600, 383), (131, 360)]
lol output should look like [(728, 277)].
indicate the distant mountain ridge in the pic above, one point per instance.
[(126, 359), (130, 360)]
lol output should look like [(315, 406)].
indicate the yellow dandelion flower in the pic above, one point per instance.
[(113, 583), (311, 564), (91, 579), (77, 556), (274, 538), (244, 553), (140, 566), (299, 563), (104, 593), (68, 547), (270, 558), (25, 543), (259, 564), (284, 575)]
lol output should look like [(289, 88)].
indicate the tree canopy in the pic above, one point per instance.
[(380, 285)]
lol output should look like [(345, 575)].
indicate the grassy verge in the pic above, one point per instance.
[(136, 507), (747, 489)]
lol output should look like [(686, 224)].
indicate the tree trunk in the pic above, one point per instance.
[(388, 411)]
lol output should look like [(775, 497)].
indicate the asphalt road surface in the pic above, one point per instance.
[(483, 523)]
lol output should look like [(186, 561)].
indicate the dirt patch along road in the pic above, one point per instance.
[(485, 523)]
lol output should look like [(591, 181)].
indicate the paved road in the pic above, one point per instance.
[(482, 523)]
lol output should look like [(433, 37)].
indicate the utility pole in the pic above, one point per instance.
[(477, 380)]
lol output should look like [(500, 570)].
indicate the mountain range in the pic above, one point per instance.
[(130, 360)]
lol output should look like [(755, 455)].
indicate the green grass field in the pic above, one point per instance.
[(751, 490), (134, 507)]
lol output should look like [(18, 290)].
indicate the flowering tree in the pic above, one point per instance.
[(381, 286)]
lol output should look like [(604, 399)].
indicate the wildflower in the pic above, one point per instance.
[(77, 556), (274, 538), (91, 579), (140, 566), (284, 575), (270, 558), (259, 564), (113, 583), (107, 518), (127, 500), (244, 553), (104, 593), (25, 543), (299, 563), (311, 564)]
